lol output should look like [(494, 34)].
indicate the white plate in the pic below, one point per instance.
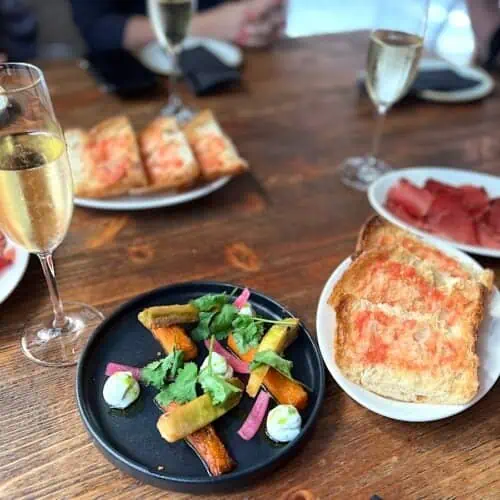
[(479, 91), (147, 201), (155, 58), (488, 349), (11, 275), (377, 194)]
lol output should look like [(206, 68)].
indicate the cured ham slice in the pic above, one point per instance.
[(461, 213), (416, 201), (494, 215), (487, 237), (475, 200)]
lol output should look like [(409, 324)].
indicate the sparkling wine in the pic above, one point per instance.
[(171, 19), (392, 65), (35, 190)]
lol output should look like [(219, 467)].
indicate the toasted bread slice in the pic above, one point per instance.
[(75, 142), (394, 276), (111, 161), (167, 156), (379, 233), (214, 150), (404, 355)]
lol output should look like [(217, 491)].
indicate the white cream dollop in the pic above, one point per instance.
[(121, 390), (247, 310), (283, 423), (219, 366)]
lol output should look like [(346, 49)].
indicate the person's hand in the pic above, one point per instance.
[(251, 23), (265, 23)]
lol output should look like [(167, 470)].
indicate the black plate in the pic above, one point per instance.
[(130, 439)]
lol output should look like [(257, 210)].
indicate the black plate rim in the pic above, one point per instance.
[(175, 481)]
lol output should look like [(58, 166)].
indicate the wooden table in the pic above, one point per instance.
[(296, 118)]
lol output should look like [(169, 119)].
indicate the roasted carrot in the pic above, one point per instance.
[(175, 336), (284, 390), (209, 448), (245, 356)]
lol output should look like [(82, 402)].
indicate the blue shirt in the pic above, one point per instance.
[(102, 22)]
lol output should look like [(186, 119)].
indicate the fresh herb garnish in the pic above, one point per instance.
[(219, 389), (202, 330), (210, 302), (158, 372), (222, 322), (274, 360), (183, 389), (246, 332)]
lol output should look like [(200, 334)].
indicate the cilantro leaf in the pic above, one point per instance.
[(157, 372), (210, 302), (202, 330), (274, 360), (219, 389), (183, 389), (221, 324), (246, 332)]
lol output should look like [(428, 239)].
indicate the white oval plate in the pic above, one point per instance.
[(377, 194), (147, 201), (481, 90), (154, 57), (488, 349), (11, 276)]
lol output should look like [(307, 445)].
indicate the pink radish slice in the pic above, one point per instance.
[(236, 364), (254, 420), (113, 368), (242, 299)]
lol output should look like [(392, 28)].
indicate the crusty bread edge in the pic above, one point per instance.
[(238, 167), (375, 222)]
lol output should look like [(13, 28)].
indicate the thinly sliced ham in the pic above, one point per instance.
[(443, 205), (416, 201), (460, 213), (494, 215), (475, 200), (487, 237), (399, 211), (456, 225), (438, 188)]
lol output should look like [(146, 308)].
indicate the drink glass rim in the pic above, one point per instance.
[(39, 77)]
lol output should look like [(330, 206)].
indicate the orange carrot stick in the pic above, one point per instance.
[(175, 336), (284, 390), (208, 446)]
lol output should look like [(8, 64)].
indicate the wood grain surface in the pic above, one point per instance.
[(282, 229)]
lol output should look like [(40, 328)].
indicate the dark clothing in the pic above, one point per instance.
[(18, 30), (102, 22)]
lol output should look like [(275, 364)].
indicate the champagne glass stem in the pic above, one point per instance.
[(173, 79), (377, 136), (50, 276)]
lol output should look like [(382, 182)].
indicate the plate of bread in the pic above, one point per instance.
[(410, 329), (164, 165)]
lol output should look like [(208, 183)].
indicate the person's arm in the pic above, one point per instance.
[(485, 20), (104, 28)]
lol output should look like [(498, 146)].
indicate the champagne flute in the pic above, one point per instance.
[(170, 20), (392, 64), (36, 205)]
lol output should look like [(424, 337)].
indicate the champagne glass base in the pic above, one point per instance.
[(175, 107), (49, 346), (360, 171)]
